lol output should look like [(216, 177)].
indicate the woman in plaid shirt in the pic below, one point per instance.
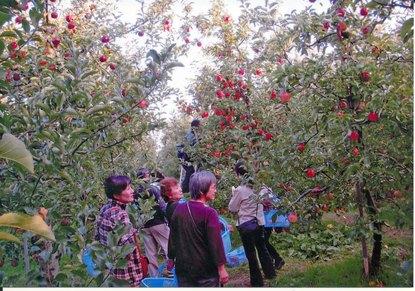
[(119, 192)]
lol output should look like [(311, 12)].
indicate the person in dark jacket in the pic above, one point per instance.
[(155, 231), (171, 193), (187, 166), (195, 242)]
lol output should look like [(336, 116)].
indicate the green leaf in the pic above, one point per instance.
[(12, 148), (8, 33), (35, 16), (407, 29), (154, 55), (2, 47), (4, 17), (174, 64), (9, 237), (35, 224), (26, 25)]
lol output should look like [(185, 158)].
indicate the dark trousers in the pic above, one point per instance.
[(271, 250), (192, 282), (253, 242)]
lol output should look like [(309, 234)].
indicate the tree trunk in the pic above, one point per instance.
[(359, 200), (377, 235)]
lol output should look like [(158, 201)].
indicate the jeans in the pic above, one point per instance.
[(253, 242), (271, 250), (193, 282)]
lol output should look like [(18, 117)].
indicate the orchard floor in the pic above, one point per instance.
[(345, 268)]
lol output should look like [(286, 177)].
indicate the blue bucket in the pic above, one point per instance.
[(236, 257), (159, 282), (226, 235)]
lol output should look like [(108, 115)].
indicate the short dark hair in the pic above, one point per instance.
[(195, 122), (200, 182), (240, 168), (142, 172), (114, 185)]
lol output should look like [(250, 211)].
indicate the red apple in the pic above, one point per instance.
[(54, 14), (373, 117), (13, 45), (18, 19), (365, 30), (241, 71), (330, 196), (69, 18), (219, 77), (301, 147), (71, 25), (341, 12), (268, 136), (325, 207), (42, 63), (220, 94), (199, 44), (56, 41), (113, 66), (354, 135), (273, 95), (364, 11), (143, 104), (227, 19), (341, 26), (103, 58), (355, 152), (292, 217), (311, 173), (216, 154), (205, 114), (245, 127), (365, 76), (326, 25), (16, 77), (140, 33), (65, 221), (285, 97), (105, 39), (343, 104), (258, 72), (52, 67)]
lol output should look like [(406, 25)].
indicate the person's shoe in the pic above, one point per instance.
[(279, 265)]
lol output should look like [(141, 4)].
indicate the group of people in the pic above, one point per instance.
[(188, 233)]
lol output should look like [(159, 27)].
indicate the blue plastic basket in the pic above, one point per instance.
[(159, 282), (89, 263), (236, 257), (280, 221), (226, 235)]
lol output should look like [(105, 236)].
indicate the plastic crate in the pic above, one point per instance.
[(159, 282), (236, 257), (226, 235), (280, 221)]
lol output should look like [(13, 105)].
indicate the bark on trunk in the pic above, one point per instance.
[(359, 200), (377, 236)]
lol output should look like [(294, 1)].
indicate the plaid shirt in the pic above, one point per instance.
[(110, 215)]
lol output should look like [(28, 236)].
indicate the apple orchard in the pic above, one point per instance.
[(318, 104)]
